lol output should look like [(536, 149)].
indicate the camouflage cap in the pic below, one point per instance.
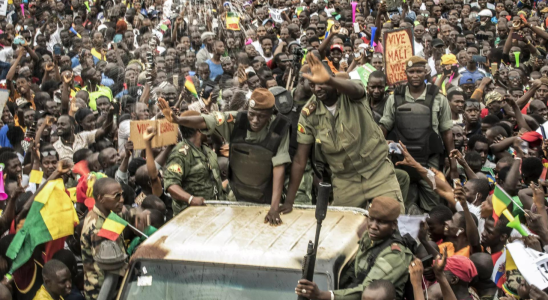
[(492, 96)]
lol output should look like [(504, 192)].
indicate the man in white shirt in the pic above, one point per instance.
[(52, 34)]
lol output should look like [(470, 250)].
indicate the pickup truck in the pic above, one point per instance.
[(225, 251)]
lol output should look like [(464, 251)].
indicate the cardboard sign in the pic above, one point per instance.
[(276, 15), (166, 133), (398, 48)]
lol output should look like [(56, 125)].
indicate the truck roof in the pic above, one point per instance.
[(235, 233)]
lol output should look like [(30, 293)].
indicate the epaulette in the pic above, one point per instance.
[(309, 109), (395, 247)]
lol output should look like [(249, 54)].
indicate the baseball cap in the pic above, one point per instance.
[(437, 42), (467, 78), (337, 47)]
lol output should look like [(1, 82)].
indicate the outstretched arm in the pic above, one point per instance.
[(196, 122)]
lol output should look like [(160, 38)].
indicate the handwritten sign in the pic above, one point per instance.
[(166, 133), (398, 48), (276, 15)]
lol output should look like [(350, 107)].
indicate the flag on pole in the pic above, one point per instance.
[(189, 85), (501, 201), (112, 227), (51, 216)]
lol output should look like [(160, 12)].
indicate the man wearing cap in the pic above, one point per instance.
[(338, 123), (185, 177), (334, 58), (449, 75), (468, 85), (418, 115), (259, 148), (459, 271), (382, 245), (207, 49)]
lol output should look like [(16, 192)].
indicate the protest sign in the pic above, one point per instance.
[(166, 133), (398, 48), (276, 15), (232, 21), (526, 260), (410, 224)]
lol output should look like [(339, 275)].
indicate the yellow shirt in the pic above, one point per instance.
[(42, 294)]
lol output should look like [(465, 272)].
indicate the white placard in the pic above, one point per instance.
[(526, 261), (3, 7), (410, 224), (4, 95), (276, 14)]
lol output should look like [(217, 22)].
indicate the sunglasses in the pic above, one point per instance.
[(116, 196), (48, 153), (513, 77)]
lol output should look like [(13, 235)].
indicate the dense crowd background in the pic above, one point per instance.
[(461, 142)]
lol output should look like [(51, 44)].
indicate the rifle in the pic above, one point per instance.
[(309, 261)]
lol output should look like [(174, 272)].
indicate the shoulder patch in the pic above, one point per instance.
[(300, 128), (309, 109), (175, 168), (219, 118), (395, 247), (184, 149)]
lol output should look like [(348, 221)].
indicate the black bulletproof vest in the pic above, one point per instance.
[(250, 164), (413, 127)]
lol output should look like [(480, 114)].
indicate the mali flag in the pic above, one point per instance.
[(113, 227), (501, 201), (189, 85), (51, 216)]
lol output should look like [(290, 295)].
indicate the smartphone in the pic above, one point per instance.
[(427, 261), (447, 71), (517, 36), (57, 50), (356, 28), (524, 147), (176, 80), (494, 68), (479, 58)]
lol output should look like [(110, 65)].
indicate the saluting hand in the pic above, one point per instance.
[(166, 110)]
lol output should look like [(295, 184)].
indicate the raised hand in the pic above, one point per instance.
[(149, 133), (166, 110), (318, 72)]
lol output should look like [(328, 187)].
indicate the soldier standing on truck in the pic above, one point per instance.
[(338, 120), (382, 245), (192, 174), (259, 148)]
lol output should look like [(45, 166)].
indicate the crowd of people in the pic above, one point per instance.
[(270, 98)]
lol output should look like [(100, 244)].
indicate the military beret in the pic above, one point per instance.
[(414, 61), (261, 98), (384, 208)]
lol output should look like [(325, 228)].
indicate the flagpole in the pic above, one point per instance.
[(512, 199), (138, 231)]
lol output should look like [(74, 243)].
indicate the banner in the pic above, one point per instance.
[(398, 48), (276, 15), (232, 21), (531, 264), (166, 133)]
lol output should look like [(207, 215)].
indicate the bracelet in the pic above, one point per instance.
[(190, 199), (332, 295)]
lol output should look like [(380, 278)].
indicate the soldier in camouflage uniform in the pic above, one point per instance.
[(108, 197), (192, 171)]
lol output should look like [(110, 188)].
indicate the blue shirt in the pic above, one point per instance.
[(477, 74), (4, 142), (215, 69)]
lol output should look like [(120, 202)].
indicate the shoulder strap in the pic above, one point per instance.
[(240, 127), (431, 92), (278, 129), (399, 95), (374, 253)]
